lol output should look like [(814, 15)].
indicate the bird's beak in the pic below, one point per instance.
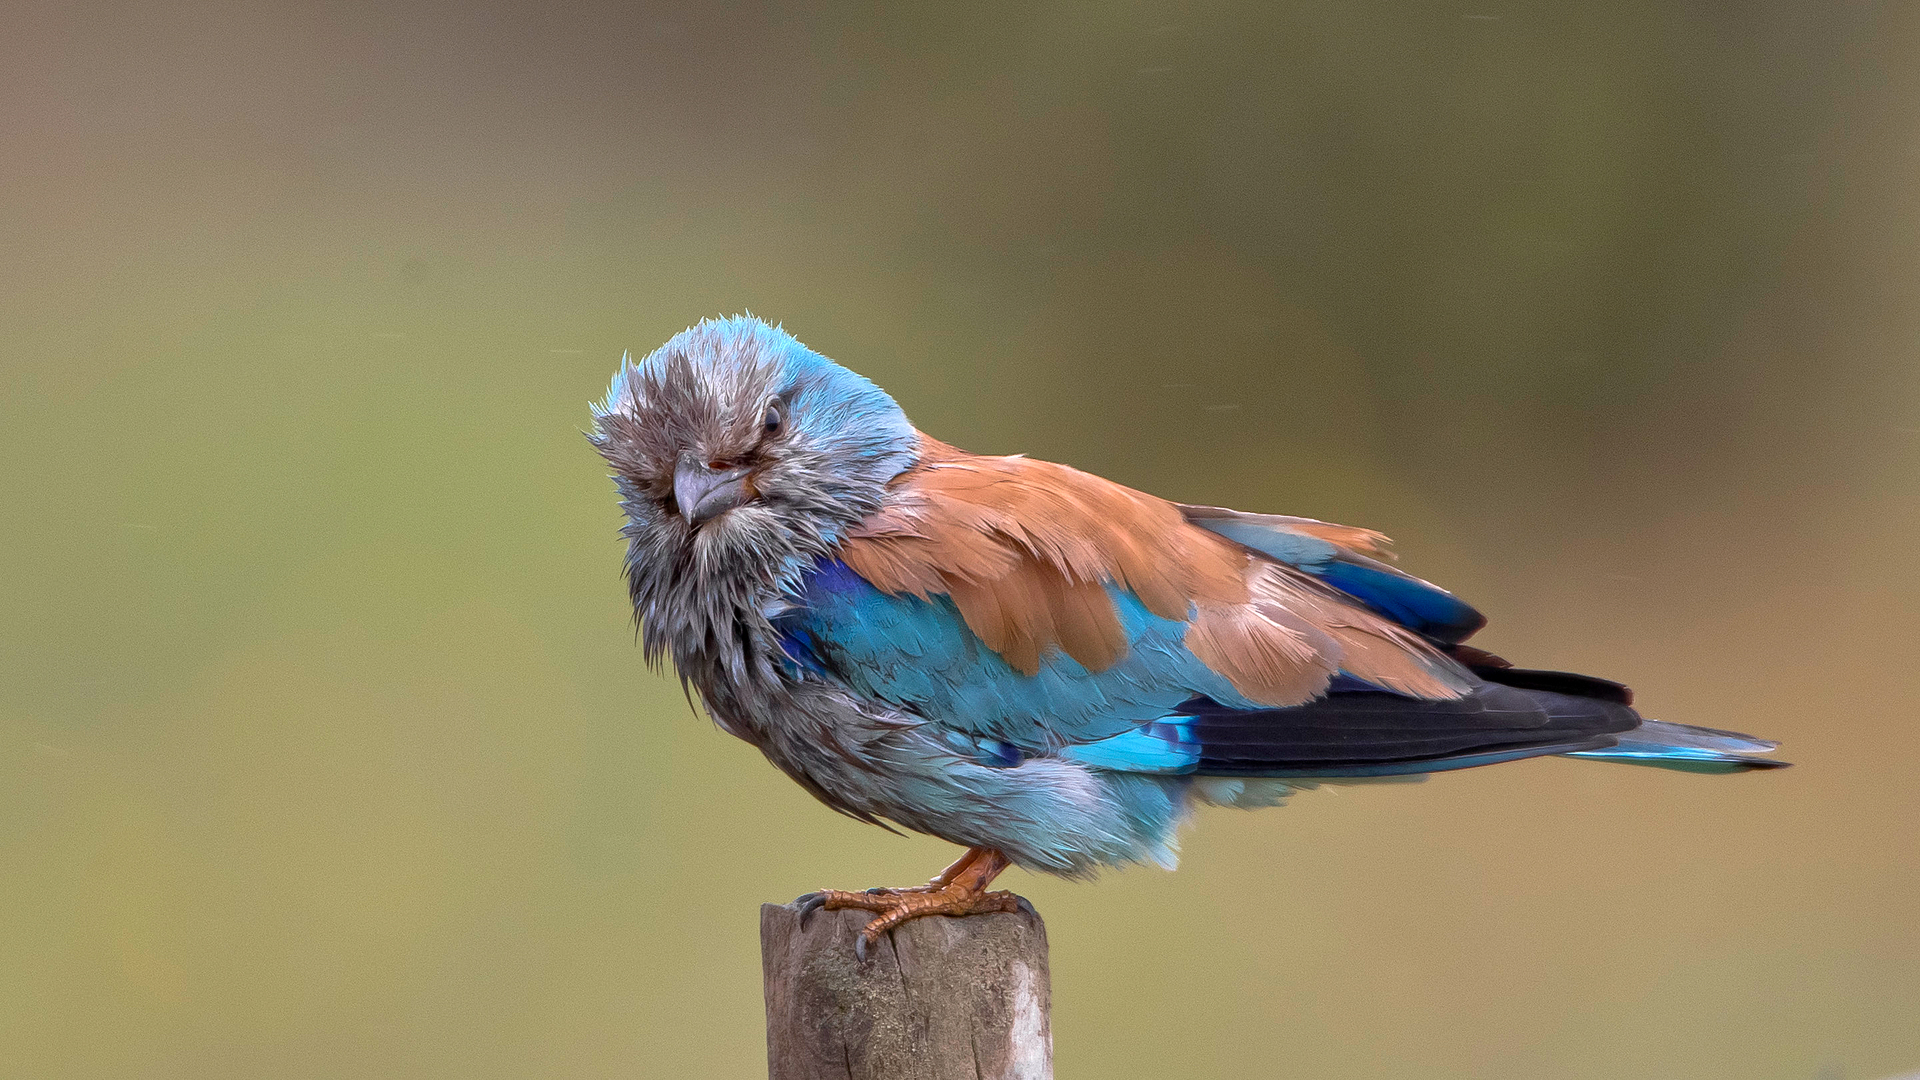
[(703, 492)]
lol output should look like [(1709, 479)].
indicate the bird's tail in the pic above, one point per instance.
[(1687, 749)]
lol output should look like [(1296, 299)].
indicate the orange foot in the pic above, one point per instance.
[(959, 890)]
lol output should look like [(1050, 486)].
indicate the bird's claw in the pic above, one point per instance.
[(960, 890), (891, 907), (809, 903)]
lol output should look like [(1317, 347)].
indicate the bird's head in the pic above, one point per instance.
[(741, 456)]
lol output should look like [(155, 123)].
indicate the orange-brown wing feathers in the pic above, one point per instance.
[(1025, 549), (1239, 641), (1360, 541), (1363, 541), (975, 511)]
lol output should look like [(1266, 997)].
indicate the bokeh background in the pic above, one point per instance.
[(325, 748)]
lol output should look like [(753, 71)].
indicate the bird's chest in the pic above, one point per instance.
[(741, 710), (816, 733)]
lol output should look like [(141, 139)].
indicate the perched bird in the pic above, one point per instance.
[(1046, 667)]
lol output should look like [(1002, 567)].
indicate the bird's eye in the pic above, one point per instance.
[(774, 418)]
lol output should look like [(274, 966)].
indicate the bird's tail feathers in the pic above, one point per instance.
[(1685, 748)]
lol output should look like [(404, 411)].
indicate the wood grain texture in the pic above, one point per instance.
[(937, 999)]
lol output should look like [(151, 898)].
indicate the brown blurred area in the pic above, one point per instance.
[(325, 749)]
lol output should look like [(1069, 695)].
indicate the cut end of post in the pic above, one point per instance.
[(937, 997)]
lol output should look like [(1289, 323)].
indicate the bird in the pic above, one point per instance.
[(1045, 667)]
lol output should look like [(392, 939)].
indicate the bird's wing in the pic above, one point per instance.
[(1349, 559), (1043, 606)]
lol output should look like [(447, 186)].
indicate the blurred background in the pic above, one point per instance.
[(325, 746)]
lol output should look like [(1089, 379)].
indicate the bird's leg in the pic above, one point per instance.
[(945, 877), (961, 889)]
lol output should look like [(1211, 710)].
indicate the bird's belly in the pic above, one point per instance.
[(1044, 813)]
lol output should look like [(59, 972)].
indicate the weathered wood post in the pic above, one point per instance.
[(937, 998)]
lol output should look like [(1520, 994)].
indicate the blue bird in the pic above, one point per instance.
[(1043, 666)]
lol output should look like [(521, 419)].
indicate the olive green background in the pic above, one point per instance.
[(325, 748)]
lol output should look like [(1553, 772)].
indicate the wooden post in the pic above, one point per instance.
[(937, 998)]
